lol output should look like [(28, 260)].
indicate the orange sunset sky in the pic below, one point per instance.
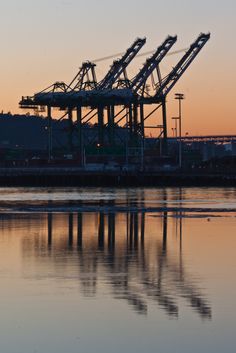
[(46, 41)]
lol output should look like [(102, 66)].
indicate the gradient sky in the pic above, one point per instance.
[(46, 41)]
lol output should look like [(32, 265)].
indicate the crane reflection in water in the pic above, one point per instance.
[(118, 252)]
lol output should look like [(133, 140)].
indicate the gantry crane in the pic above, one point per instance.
[(163, 86), (57, 94), (166, 84), (115, 90), (138, 84), (85, 79), (105, 86), (119, 66)]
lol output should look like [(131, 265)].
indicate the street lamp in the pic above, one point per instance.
[(180, 97)]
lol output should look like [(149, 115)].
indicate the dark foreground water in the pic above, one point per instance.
[(115, 270)]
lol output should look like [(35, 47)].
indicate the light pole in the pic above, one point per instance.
[(175, 128), (160, 137), (126, 140), (180, 97), (49, 128)]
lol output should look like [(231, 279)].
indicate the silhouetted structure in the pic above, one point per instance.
[(116, 99)]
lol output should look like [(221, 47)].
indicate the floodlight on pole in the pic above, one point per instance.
[(180, 97)]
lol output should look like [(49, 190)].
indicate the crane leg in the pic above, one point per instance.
[(80, 136), (164, 121), (100, 125)]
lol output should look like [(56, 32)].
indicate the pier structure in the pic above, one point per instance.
[(115, 101)]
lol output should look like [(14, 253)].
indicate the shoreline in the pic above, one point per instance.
[(64, 176)]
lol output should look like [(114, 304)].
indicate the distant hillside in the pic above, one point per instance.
[(30, 132)]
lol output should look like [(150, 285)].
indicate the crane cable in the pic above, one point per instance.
[(139, 55)]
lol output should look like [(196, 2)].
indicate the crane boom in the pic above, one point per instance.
[(167, 83), (118, 67), (152, 63)]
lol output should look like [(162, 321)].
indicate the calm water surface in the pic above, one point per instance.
[(117, 270)]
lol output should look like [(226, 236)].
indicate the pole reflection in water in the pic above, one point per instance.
[(70, 240), (80, 230), (138, 271)]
